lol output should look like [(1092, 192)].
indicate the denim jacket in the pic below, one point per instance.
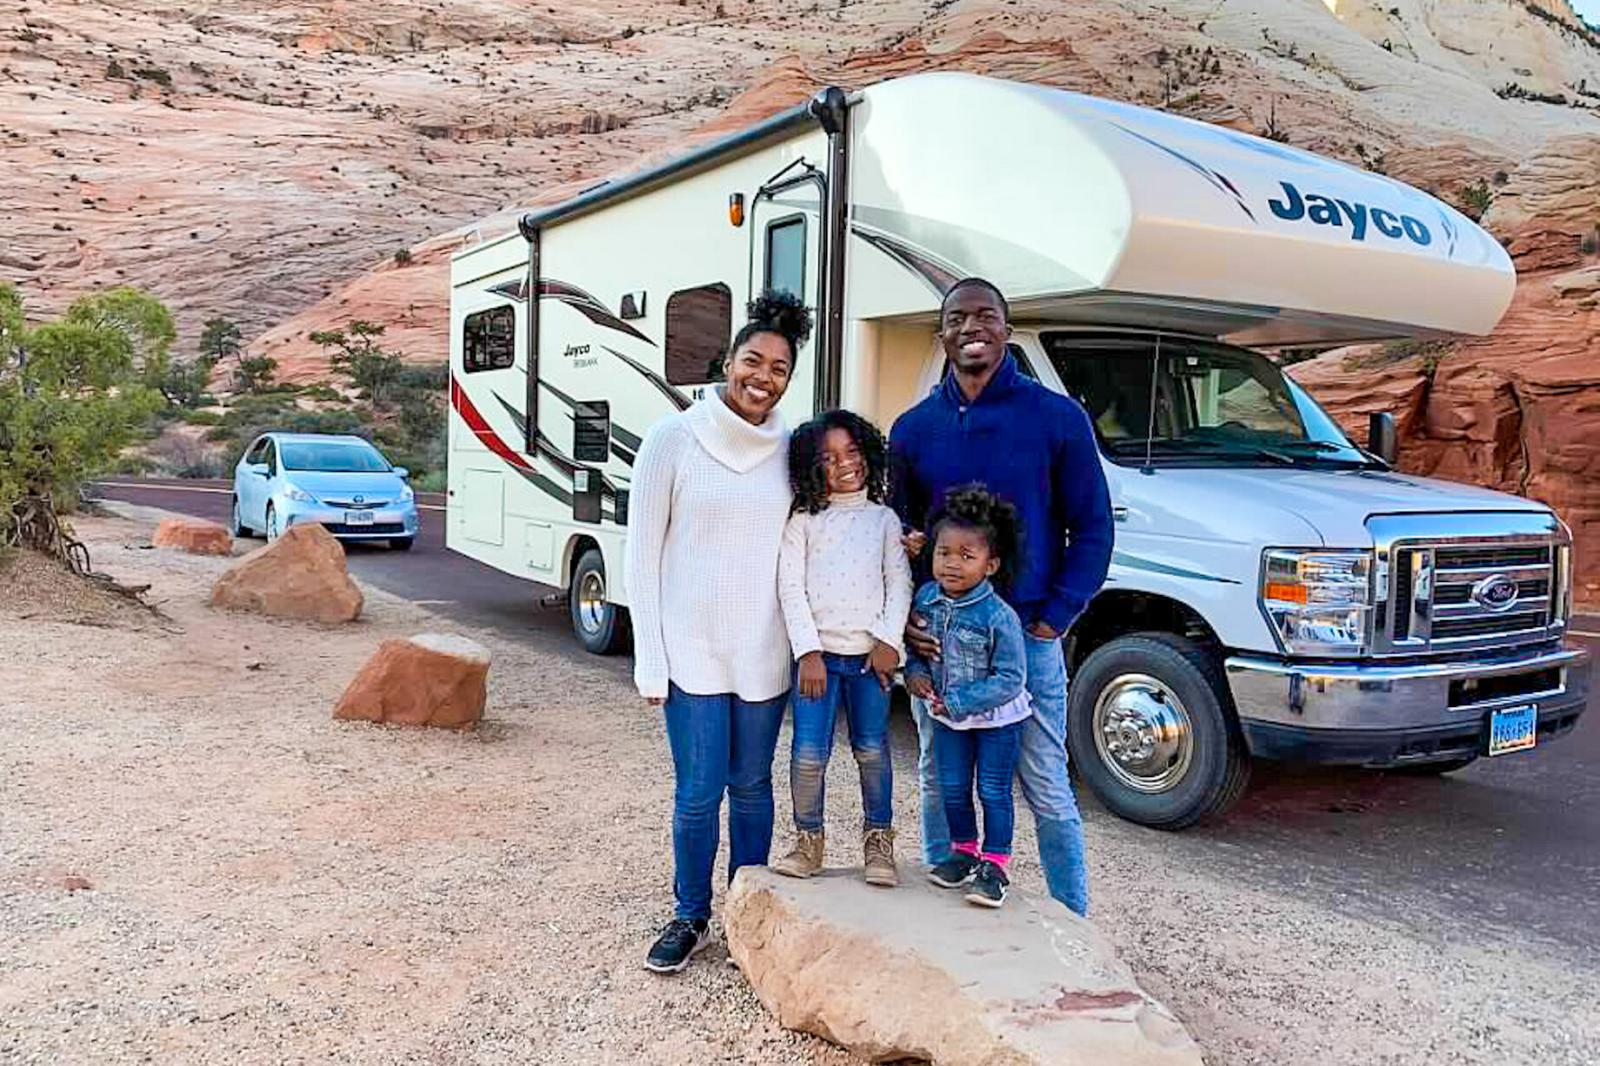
[(982, 659)]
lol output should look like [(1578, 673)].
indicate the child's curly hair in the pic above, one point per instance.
[(776, 311), (975, 507), (808, 475)]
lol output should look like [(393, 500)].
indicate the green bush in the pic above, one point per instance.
[(201, 418), (73, 394)]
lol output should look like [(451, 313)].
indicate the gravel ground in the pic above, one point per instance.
[(268, 885)]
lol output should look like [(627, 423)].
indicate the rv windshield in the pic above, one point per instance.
[(1198, 404)]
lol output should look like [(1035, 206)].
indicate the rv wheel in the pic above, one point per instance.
[(600, 624), (1149, 730)]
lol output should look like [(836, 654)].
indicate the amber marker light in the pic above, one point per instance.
[(736, 209)]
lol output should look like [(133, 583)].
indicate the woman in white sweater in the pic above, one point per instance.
[(707, 508)]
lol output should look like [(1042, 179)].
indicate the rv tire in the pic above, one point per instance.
[(601, 625), (1150, 728)]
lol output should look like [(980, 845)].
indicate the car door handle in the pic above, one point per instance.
[(1119, 514)]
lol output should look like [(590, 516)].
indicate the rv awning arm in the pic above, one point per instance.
[(821, 109)]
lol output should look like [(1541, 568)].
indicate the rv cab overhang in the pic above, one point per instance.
[(1276, 590)]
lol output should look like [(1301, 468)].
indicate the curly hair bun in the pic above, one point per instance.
[(781, 312), (974, 505)]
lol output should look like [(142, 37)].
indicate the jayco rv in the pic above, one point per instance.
[(1275, 591)]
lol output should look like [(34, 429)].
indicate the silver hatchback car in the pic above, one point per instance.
[(342, 483)]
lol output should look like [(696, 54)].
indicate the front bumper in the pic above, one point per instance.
[(1373, 714), (387, 523)]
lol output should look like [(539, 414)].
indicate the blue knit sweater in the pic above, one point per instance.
[(1032, 447)]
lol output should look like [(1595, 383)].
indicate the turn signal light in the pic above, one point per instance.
[(736, 209), (1285, 593)]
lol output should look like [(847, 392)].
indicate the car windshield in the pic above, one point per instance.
[(1196, 403), (332, 457)]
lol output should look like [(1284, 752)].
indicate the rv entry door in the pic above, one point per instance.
[(786, 235)]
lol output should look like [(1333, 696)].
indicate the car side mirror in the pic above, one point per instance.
[(401, 472), (260, 470), (1383, 440)]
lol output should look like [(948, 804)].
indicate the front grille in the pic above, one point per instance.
[(1451, 593), (351, 505), (377, 529), (1451, 629)]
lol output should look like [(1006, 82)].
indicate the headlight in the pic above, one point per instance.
[(298, 495), (406, 492), (1318, 601)]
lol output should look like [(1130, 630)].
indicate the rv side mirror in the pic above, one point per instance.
[(1382, 438)]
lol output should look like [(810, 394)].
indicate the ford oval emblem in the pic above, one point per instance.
[(1495, 593)]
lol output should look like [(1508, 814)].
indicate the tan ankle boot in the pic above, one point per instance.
[(877, 845), (805, 858)]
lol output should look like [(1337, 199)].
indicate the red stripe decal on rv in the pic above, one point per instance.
[(480, 427)]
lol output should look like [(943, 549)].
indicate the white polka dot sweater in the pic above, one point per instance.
[(843, 578)]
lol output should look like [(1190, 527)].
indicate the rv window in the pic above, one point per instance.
[(786, 255), (489, 340), (699, 324)]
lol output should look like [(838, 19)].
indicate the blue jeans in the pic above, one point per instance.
[(852, 683), (990, 755), (1045, 785), (719, 744)]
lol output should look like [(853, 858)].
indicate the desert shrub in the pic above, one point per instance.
[(1475, 199), (73, 394)]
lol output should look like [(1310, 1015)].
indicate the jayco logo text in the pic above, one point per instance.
[(1331, 211)]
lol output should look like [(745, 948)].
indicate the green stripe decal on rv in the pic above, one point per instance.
[(1134, 562)]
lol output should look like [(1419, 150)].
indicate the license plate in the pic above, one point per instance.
[(1513, 729), (358, 518)]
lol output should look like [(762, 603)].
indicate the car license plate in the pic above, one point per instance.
[(358, 518), (1513, 729)]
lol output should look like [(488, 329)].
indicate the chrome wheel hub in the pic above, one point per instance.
[(592, 602), (1142, 733)]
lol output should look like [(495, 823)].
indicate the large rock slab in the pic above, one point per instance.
[(300, 575), (434, 679), (917, 973), (193, 535)]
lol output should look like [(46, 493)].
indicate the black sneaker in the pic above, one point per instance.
[(677, 944), (955, 871), (988, 886)]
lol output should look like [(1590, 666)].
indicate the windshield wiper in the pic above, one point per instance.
[(1203, 448), (1328, 446)]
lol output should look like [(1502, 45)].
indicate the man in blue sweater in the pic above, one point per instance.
[(988, 422)]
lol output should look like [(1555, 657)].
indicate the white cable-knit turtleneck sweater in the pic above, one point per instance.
[(706, 513), (843, 578)]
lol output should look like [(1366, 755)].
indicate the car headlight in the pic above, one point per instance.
[(406, 492), (1318, 601), (298, 495)]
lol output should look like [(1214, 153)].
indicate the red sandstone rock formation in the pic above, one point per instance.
[(300, 575), (193, 535), (433, 679)]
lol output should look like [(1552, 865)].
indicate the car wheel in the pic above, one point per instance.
[(602, 626), (1150, 728), (272, 524), (401, 544), (1430, 769), (239, 528)]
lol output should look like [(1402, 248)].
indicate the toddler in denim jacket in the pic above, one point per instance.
[(976, 689)]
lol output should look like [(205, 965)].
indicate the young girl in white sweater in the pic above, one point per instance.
[(845, 587)]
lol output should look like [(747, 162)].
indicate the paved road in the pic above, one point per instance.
[(1508, 848), (447, 583)]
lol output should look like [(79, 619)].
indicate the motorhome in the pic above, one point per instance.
[(1276, 590)]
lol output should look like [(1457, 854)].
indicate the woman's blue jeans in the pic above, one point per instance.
[(719, 744), (852, 684), (990, 757)]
